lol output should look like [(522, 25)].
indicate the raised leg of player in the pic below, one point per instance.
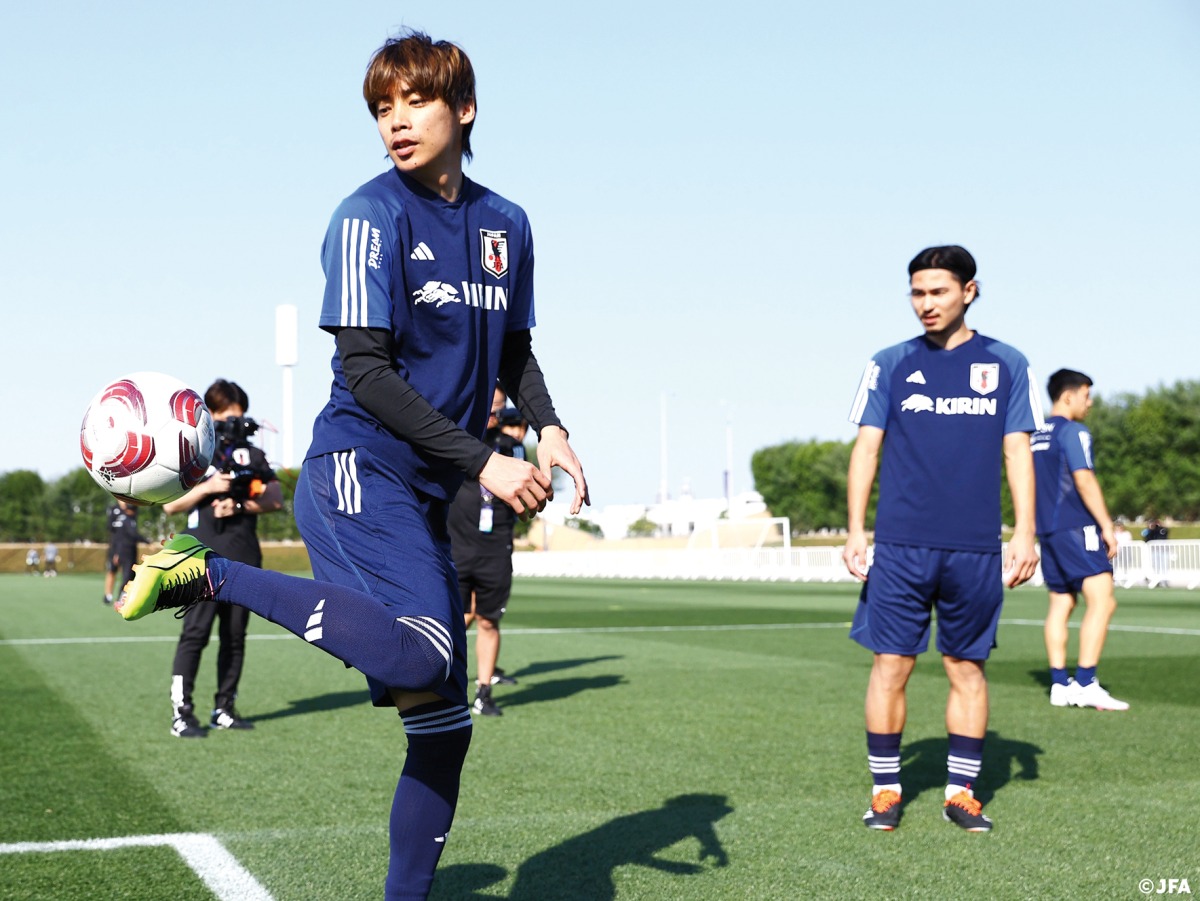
[(355, 627)]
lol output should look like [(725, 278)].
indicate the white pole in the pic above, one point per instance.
[(289, 449), (664, 491), (286, 354), (729, 468)]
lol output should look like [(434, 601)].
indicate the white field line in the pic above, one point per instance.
[(594, 630), (208, 858)]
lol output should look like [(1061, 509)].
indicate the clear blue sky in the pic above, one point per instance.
[(724, 198)]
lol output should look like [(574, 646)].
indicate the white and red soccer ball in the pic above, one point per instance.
[(147, 438)]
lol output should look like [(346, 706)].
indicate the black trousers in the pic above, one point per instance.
[(197, 628)]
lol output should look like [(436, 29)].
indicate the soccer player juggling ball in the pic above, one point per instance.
[(429, 297), (938, 416)]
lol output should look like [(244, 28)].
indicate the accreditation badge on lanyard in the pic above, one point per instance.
[(486, 513)]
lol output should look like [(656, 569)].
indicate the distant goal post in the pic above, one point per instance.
[(753, 534)]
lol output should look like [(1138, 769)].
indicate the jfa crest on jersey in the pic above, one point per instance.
[(494, 251), (985, 377)]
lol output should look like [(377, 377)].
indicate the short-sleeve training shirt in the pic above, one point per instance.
[(1061, 448), (945, 413), (448, 280)]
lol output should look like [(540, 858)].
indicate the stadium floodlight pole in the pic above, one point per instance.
[(663, 491), (286, 354)]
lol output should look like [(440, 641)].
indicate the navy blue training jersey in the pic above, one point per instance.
[(945, 413), (447, 280), (1060, 449)]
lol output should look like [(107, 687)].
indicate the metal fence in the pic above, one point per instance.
[(1154, 564)]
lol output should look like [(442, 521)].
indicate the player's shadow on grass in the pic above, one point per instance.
[(1042, 678), (581, 868), (554, 690), (923, 765), (550, 666), (320, 704)]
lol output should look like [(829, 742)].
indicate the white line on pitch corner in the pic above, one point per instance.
[(207, 857)]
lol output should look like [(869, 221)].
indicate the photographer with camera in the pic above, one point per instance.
[(223, 513), (481, 543)]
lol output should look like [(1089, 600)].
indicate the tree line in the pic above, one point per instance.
[(1146, 449), (74, 508)]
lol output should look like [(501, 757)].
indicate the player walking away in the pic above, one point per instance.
[(954, 406), (1078, 542), (481, 540), (429, 296), (223, 513), (122, 546)]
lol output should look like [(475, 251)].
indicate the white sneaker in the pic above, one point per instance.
[(1061, 695), (1093, 695)]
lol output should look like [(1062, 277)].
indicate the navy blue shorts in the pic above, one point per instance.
[(906, 584), (366, 528), (1072, 555)]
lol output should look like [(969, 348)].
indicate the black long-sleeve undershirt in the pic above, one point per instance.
[(366, 357)]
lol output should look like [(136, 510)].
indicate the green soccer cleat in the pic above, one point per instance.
[(177, 576)]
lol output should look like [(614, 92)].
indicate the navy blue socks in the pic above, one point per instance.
[(439, 734), (883, 758), (963, 761)]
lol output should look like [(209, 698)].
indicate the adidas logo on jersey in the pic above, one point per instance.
[(421, 252), (917, 378)]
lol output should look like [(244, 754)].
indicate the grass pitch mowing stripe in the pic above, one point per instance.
[(647, 753)]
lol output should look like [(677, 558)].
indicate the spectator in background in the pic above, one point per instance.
[(33, 561), (1160, 556), (1124, 538), (50, 555), (481, 542), (122, 547), (223, 512)]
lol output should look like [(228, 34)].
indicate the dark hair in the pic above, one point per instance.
[(1065, 380), (222, 394), (438, 70), (954, 259)]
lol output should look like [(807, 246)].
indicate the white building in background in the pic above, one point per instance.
[(677, 517)]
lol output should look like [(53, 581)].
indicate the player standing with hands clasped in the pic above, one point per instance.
[(955, 407), (429, 297), (1078, 542)]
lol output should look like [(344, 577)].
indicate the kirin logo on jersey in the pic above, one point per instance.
[(985, 377), (918, 403), (436, 293), (494, 247)]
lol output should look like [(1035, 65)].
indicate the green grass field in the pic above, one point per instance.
[(666, 741)]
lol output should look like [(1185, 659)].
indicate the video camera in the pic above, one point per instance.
[(233, 434), (508, 416)]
